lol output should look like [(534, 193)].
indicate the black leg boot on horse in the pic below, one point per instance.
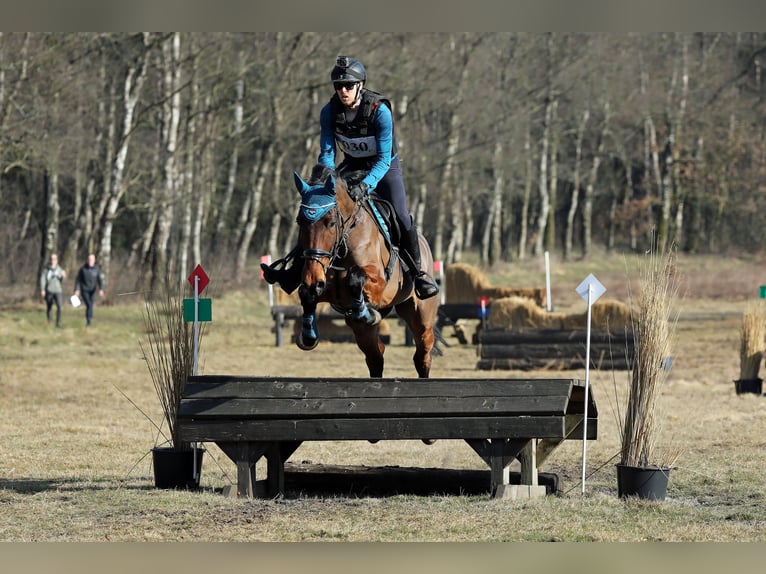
[(425, 287), (286, 271)]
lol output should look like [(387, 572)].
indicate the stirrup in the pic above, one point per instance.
[(288, 278), (270, 275)]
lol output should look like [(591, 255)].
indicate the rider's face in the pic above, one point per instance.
[(347, 92)]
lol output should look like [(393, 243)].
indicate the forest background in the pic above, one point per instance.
[(157, 151)]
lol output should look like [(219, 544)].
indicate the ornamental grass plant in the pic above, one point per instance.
[(169, 354), (752, 336), (654, 322)]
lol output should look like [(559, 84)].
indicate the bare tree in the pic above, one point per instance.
[(133, 81)]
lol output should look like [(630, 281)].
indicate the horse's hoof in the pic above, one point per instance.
[(428, 441), (306, 344)]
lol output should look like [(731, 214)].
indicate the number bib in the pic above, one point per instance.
[(358, 146)]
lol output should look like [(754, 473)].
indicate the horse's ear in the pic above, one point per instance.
[(301, 185), (329, 185)]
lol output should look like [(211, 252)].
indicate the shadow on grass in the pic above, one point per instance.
[(31, 485), (310, 480), (322, 480)]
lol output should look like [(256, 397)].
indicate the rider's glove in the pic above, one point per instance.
[(358, 191)]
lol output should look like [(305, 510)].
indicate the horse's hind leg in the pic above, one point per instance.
[(422, 333), (424, 343)]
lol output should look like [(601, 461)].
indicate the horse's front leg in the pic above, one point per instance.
[(308, 338), (360, 311)]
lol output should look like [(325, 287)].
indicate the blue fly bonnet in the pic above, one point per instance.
[(316, 200)]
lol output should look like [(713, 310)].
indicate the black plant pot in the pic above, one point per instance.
[(650, 483), (176, 469), (748, 386)]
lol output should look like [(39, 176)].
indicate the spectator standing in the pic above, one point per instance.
[(89, 280), (50, 287)]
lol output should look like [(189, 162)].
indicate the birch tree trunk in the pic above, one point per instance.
[(652, 158), (446, 182), (677, 143), (52, 211), (188, 180), (550, 230), (457, 222), (490, 242), (591, 185), (261, 171), (542, 187), (163, 264), (98, 216), (206, 184), (527, 194), (231, 181), (133, 84), (574, 200)]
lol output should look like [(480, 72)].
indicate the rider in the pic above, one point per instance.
[(354, 121)]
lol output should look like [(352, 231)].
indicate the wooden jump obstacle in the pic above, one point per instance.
[(501, 419), (530, 349)]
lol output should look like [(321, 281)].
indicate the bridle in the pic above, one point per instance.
[(343, 227)]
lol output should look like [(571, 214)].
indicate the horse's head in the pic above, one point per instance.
[(320, 222)]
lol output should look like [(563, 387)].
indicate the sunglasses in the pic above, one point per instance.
[(345, 85)]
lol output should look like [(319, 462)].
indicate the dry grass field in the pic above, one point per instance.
[(74, 462)]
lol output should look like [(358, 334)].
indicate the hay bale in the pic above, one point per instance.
[(611, 315), (536, 294), (465, 283), (607, 315), (523, 313)]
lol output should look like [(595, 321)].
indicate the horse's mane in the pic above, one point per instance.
[(320, 173)]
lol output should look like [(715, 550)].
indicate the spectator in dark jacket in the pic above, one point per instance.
[(89, 280)]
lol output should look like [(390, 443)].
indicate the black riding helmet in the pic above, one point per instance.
[(348, 70)]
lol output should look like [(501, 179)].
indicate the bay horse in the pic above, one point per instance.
[(349, 263)]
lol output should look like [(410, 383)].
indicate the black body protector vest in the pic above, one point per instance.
[(357, 138)]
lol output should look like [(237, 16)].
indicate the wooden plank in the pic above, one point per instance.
[(550, 350), (216, 386), (372, 407), (555, 363), (549, 336), (455, 311), (372, 429)]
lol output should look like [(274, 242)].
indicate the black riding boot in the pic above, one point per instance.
[(424, 285), (286, 272)]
